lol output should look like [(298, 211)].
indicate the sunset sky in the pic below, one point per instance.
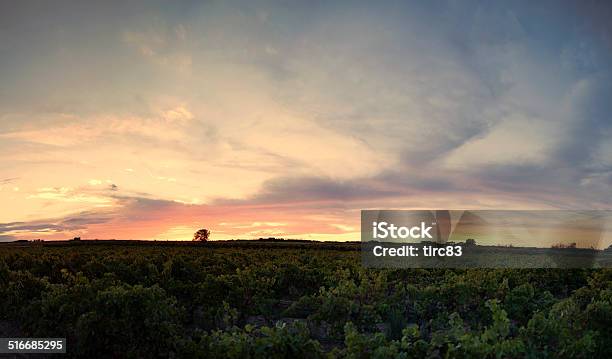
[(135, 120)]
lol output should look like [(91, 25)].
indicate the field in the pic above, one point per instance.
[(277, 300)]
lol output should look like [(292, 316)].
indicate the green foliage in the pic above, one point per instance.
[(301, 301), (266, 342)]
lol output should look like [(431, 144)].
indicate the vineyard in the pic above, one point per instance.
[(294, 300)]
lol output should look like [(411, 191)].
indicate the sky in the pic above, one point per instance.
[(150, 120)]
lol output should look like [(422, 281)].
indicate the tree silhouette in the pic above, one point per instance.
[(201, 235)]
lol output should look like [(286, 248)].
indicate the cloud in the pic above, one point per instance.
[(263, 113), (162, 44), (590, 124), (67, 194), (64, 227), (313, 189), (7, 181)]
